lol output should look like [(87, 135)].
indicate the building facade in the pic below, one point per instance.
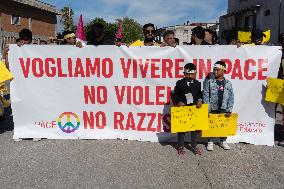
[(183, 32), (255, 14), (35, 15)]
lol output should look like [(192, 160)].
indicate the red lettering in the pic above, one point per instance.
[(92, 68), (179, 68), (79, 70), (118, 119), (107, 62), (167, 65), (119, 94), (130, 123), (39, 62), (100, 120), (237, 71), (247, 69), (154, 68), (125, 67), (152, 119), (88, 120), (25, 66), (138, 99), (141, 120), (262, 68)]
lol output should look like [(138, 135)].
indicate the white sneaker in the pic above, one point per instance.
[(210, 146), (225, 145), (36, 139)]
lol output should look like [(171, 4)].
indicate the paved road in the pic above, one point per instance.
[(131, 164)]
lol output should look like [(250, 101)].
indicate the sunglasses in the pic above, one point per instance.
[(150, 31)]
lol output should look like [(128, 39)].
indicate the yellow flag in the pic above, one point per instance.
[(220, 126), (189, 118), (275, 90), (5, 74)]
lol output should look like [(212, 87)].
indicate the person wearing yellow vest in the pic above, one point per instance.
[(149, 36)]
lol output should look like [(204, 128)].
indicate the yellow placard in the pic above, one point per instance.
[(189, 118), (221, 126), (275, 90), (5, 74), (245, 37)]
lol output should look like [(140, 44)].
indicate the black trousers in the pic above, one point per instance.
[(181, 137)]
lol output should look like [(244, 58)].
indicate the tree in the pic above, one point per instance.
[(131, 31), (67, 18)]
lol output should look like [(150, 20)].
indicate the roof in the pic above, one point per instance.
[(38, 4)]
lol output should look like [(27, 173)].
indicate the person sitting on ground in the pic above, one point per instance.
[(218, 94), (169, 39), (187, 92)]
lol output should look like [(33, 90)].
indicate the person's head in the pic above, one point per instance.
[(25, 36), (198, 34), (43, 42), (281, 39), (219, 69), (208, 36), (149, 32), (231, 39), (177, 41), (69, 37), (257, 36), (98, 31), (169, 38), (189, 71)]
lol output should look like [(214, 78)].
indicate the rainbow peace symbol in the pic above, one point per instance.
[(68, 127)]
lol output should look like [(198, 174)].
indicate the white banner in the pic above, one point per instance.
[(107, 92)]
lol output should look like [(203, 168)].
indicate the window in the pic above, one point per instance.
[(267, 13), (15, 20)]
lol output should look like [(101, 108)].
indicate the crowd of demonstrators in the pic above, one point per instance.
[(187, 92), (218, 94)]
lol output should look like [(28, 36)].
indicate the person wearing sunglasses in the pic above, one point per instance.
[(219, 95), (149, 33)]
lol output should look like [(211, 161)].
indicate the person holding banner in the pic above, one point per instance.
[(218, 94), (187, 92), (70, 39)]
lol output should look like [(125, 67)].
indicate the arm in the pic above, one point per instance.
[(176, 94), (206, 91), (231, 99)]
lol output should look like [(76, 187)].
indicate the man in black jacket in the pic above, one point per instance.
[(187, 92)]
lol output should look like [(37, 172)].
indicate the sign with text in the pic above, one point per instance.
[(275, 90), (109, 92), (189, 118), (221, 126)]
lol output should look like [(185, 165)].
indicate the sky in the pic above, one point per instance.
[(160, 12)]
